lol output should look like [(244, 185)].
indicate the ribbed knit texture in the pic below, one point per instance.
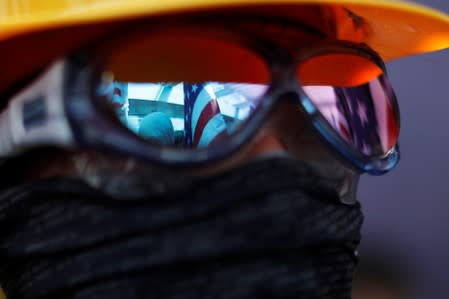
[(241, 234)]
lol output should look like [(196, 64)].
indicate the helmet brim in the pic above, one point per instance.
[(393, 28), (396, 28)]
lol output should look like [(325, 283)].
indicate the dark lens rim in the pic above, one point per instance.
[(102, 134), (372, 164), (121, 140), (375, 165), (105, 133)]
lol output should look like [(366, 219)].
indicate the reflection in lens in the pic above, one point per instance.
[(363, 116), (157, 126), (116, 94), (180, 83), (186, 115), (355, 97)]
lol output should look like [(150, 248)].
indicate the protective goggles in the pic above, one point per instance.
[(191, 92)]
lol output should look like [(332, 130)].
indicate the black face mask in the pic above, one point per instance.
[(272, 228)]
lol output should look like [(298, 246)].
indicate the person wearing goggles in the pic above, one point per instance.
[(188, 149)]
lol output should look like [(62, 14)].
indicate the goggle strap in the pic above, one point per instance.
[(36, 116)]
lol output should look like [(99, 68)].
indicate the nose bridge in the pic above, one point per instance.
[(285, 93), (287, 116), (285, 85), (290, 124)]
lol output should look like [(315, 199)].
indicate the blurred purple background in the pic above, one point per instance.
[(407, 211)]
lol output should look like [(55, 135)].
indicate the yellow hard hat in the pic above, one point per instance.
[(33, 32)]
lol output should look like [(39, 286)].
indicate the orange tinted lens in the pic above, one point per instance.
[(343, 70), (184, 55)]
